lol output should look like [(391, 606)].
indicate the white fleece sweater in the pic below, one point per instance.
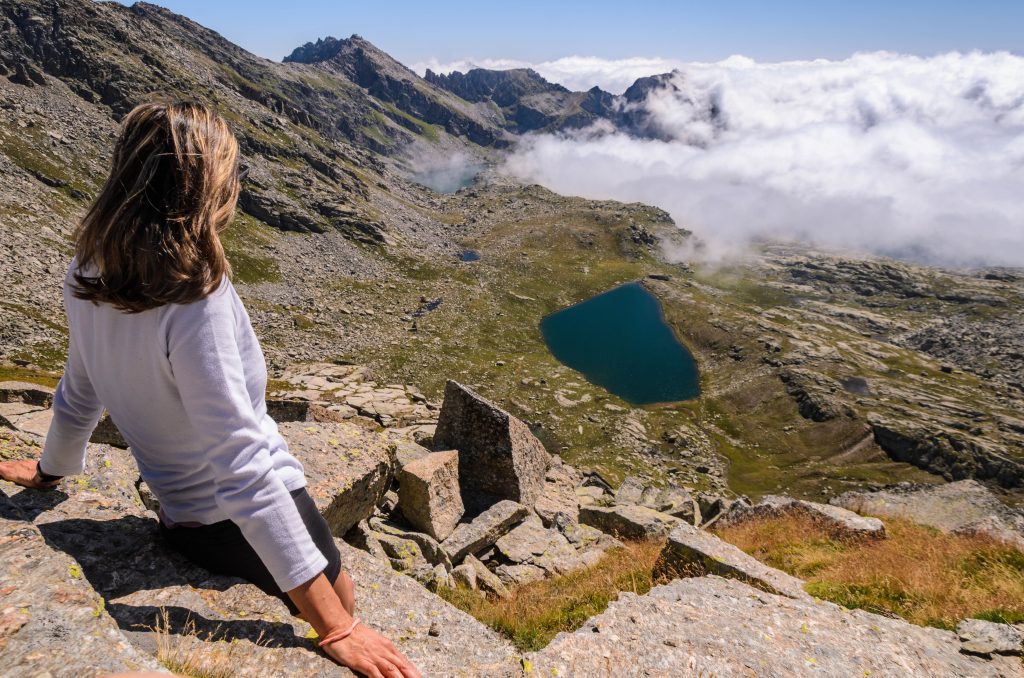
[(185, 385)]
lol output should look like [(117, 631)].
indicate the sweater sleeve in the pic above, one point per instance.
[(209, 373), (76, 411)]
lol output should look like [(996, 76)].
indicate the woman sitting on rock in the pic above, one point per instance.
[(158, 335)]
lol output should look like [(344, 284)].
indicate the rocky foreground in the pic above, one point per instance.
[(86, 563)]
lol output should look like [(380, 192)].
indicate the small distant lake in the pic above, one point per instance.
[(469, 255), (448, 177), (620, 341)]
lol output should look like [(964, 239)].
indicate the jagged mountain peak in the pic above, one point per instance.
[(350, 54), (504, 87), (642, 87), (326, 48)]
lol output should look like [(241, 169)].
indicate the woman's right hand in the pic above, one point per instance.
[(370, 653), (25, 472)]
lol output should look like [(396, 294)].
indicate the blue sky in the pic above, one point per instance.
[(535, 30)]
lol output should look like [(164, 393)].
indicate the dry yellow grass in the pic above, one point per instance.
[(188, 653), (921, 574), (538, 611)]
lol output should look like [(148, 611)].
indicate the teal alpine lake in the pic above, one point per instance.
[(620, 341)]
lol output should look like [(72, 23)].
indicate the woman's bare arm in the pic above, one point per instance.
[(364, 650)]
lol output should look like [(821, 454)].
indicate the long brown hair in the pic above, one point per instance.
[(153, 232)]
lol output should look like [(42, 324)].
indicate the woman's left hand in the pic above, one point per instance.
[(25, 472)]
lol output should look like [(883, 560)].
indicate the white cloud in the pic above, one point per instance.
[(577, 73), (913, 157)]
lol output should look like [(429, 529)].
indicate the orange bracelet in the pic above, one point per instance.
[(335, 636)]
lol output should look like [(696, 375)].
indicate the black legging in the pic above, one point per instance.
[(222, 549)]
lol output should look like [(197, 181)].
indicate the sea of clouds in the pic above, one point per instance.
[(917, 158)]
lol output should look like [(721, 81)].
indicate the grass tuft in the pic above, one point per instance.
[(187, 653), (928, 577), (538, 611)]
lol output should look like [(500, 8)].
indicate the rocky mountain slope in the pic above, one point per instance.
[(821, 372), (86, 561), (529, 103)]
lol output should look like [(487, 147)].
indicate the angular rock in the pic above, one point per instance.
[(404, 554), (627, 521), (669, 498), (723, 507), (429, 547), (946, 506), (817, 397), (591, 491), (437, 578), (630, 491), (688, 511), (428, 493), (985, 638), (487, 580), (31, 419), (348, 469), (710, 626), (595, 479), (389, 503), (27, 393), (484, 530), (649, 497), (519, 574), (840, 522), (406, 451), (533, 544), (497, 452), (710, 506), (362, 536), (993, 527), (149, 499), (583, 537), (559, 495), (691, 551), (464, 575), (947, 452), (281, 411), (590, 543)]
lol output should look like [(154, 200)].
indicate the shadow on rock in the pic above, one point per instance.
[(27, 505), (183, 621), (128, 564)]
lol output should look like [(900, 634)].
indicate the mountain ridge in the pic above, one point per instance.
[(820, 372)]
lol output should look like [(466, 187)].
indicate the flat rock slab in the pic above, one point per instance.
[(546, 548), (348, 468), (402, 609), (25, 392), (477, 535), (499, 457), (711, 626), (36, 421), (840, 522), (52, 622), (628, 521), (985, 638), (949, 506), (440, 639), (691, 549), (96, 534)]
